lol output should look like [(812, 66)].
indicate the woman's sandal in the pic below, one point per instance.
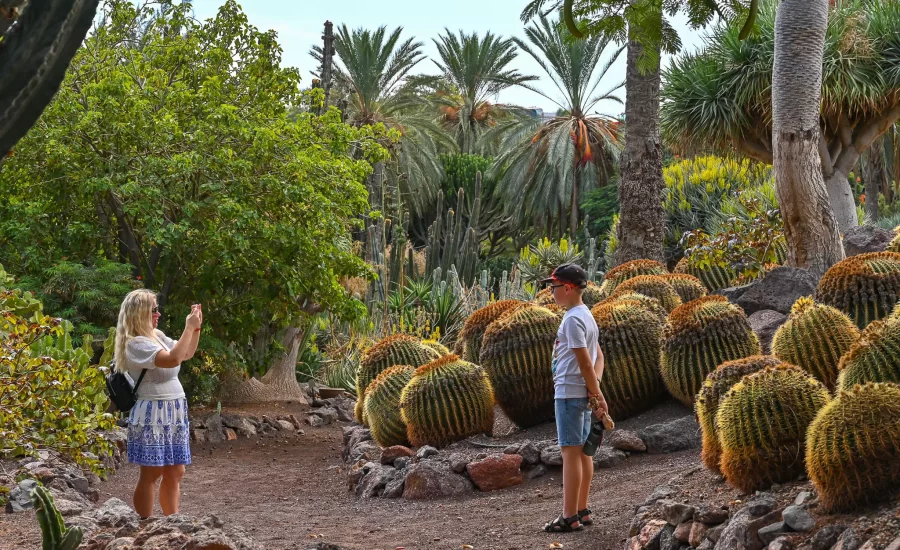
[(563, 525), (582, 514)]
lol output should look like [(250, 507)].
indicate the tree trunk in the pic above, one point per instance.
[(874, 169), (642, 218), (573, 216), (280, 381), (840, 195), (809, 223)]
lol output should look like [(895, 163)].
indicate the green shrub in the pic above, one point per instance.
[(538, 261)]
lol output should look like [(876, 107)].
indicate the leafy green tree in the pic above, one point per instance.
[(179, 159)]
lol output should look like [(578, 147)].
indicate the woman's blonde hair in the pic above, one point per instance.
[(134, 320)]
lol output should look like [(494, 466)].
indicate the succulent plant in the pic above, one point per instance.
[(853, 448), (447, 400), (434, 345), (814, 337), (382, 406), (650, 304), (713, 277), (687, 286), (762, 423), (592, 296), (621, 273), (714, 389), (874, 358), (631, 340), (653, 286), (701, 335), (473, 330), (54, 533), (516, 353), (894, 245), (398, 349), (865, 287)]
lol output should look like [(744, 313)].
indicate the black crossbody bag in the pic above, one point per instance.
[(120, 391)]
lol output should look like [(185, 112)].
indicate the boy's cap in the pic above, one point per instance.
[(571, 274)]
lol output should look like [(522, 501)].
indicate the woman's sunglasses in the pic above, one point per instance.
[(154, 309)]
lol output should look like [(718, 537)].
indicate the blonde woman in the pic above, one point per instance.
[(158, 436)]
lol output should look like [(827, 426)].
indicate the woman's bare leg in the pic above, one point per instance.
[(145, 491), (170, 489)]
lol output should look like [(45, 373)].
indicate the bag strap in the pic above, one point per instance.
[(138, 383)]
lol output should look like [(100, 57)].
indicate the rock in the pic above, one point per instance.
[(402, 462), (295, 422), (798, 519), (115, 513), (677, 435), (751, 535), (641, 515), (430, 479), (458, 463), (715, 533), (895, 545), (538, 470), (660, 493), (675, 512), (230, 435), (771, 532), (760, 506), (711, 516), (764, 323), (215, 431), (732, 537), (625, 440), (328, 414), (803, 498), (315, 421), (651, 533), (285, 425), (541, 445), (866, 238), (389, 455), (781, 543), (426, 451), (733, 293), (345, 415), (706, 545), (394, 488), (44, 475), (552, 456), (496, 472), (607, 458), (88, 524), (777, 290), (698, 533), (374, 482), (667, 540), (511, 450), (826, 537), (530, 453), (850, 541), (121, 543), (199, 435), (68, 507), (683, 531), (245, 428), (77, 482), (353, 435), (20, 497), (366, 450)]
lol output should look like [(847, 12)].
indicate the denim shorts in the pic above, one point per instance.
[(573, 421)]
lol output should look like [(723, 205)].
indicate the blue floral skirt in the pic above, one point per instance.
[(158, 433)]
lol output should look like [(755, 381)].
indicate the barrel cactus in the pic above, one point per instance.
[(445, 401), (653, 286), (874, 358), (650, 304), (894, 245), (714, 389), (631, 339), (700, 336), (762, 423), (382, 405), (516, 353), (621, 273), (853, 448), (865, 287), (434, 345), (687, 286), (814, 337), (591, 296), (474, 327), (713, 277), (398, 349)]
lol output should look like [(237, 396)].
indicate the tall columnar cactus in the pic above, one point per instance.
[(436, 346), (814, 337), (762, 424), (714, 389), (874, 358), (713, 277), (653, 286), (399, 349), (853, 448), (54, 533), (382, 405), (447, 400), (631, 340), (700, 336), (650, 304), (469, 343), (865, 287), (687, 286), (621, 273), (516, 353)]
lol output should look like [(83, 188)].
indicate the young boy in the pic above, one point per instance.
[(577, 368)]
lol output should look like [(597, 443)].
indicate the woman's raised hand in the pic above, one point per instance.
[(195, 318)]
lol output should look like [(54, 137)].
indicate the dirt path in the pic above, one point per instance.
[(285, 491)]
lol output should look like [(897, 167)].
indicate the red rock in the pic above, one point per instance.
[(389, 455), (698, 531), (496, 472), (625, 440), (230, 434), (649, 536), (683, 531), (199, 435)]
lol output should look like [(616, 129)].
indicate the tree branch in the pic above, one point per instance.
[(755, 149), (825, 155)]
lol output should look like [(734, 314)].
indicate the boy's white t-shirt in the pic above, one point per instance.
[(577, 330), (158, 383)]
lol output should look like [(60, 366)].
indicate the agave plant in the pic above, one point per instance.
[(537, 262)]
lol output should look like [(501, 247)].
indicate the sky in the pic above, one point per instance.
[(299, 25)]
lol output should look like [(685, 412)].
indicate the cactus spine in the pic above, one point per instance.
[(700, 336), (814, 337), (762, 423), (631, 340), (865, 287), (853, 447), (445, 401), (653, 286), (874, 358), (714, 389), (436, 346), (382, 405), (621, 273), (516, 353), (54, 533), (687, 286), (473, 330)]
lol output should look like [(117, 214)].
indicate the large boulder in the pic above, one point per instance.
[(431, 479), (677, 435), (764, 323), (866, 238), (777, 290), (496, 472)]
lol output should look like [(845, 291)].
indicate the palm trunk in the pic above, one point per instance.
[(809, 222), (874, 171), (573, 216), (642, 219)]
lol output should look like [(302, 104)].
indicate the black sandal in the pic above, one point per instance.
[(585, 512), (563, 525)]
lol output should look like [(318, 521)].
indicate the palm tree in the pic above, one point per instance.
[(475, 69), (549, 165)]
